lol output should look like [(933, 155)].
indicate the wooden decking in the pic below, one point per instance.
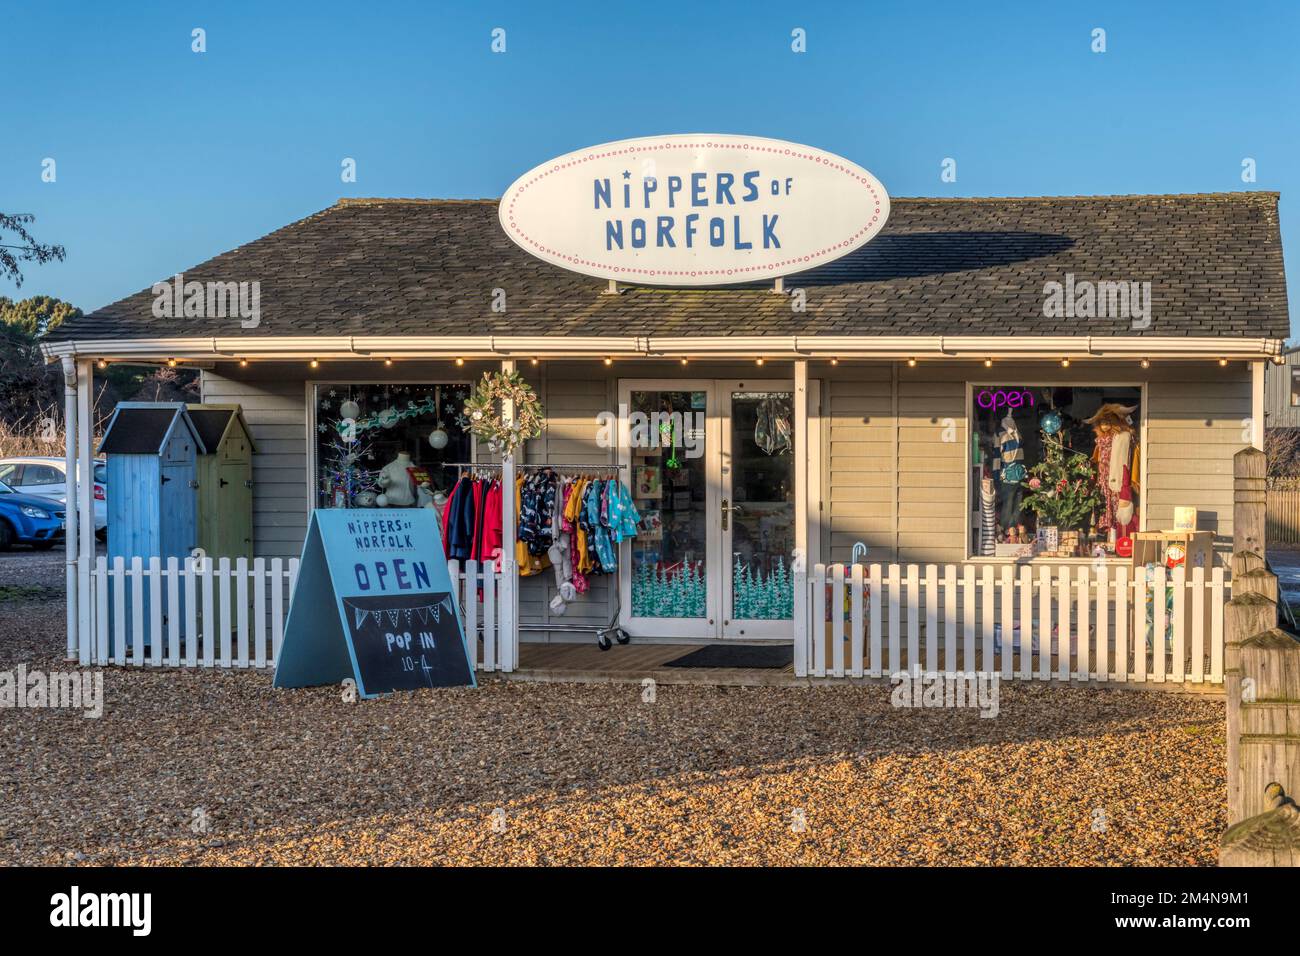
[(632, 663), (585, 663)]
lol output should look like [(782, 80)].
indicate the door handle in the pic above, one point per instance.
[(727, 508)]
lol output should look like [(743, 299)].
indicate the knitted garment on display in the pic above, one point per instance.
[(988, 521)]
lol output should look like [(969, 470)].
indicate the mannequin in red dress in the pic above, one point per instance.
[(1116, 458)]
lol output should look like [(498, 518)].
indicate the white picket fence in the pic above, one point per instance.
[(198, 612), (1065, 623), (484, 616)]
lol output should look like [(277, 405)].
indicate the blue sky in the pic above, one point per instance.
[(166, 157)]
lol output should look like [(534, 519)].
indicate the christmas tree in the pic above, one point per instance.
[(340, 468), (755, 597), (663, 592), (1062, 488)]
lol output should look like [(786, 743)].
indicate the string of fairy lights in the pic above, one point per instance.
[(1065, 361)]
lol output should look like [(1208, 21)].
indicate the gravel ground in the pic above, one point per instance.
[(217, 768), (26, 567)]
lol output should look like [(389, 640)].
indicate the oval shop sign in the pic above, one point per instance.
[(694, 210)]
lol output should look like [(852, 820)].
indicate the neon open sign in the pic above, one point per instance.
[(993, 399)]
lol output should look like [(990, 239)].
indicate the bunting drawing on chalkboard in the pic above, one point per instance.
[(425, 612)]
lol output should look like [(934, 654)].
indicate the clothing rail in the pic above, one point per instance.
[(606, 465), (602, 632)]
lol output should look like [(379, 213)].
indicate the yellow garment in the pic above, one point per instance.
[(574, 508), (529, 564), (575, 499)]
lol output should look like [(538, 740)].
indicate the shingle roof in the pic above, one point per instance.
[(211, 424), (940, 267), (140, 428)]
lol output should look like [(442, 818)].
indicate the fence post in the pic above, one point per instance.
[(1261, 678), (1245, 615), (799, 566), (1271, 838), (1249, 467), (71, 537), (508, 596)]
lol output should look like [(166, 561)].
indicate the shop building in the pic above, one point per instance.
[(904, 398)]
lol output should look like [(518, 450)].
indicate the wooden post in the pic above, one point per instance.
[(72, 541), (801, 455), (1271, 838), (508, 599), (1243, 562), (1262, 680), (1249, 467), (81, 486), (1269, 735), (1245, 615), (1259, 581), (800, 629)]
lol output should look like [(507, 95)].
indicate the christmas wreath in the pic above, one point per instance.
[(483, 409)]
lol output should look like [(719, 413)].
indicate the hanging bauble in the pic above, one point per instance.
[(388, 417), (438, 438), (1050, 423), (381, 500), (349, 409)]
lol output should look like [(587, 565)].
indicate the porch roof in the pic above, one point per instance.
[(941, 268)]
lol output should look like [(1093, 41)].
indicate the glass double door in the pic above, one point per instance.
[(711, 469)]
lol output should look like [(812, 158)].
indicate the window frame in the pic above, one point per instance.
[(310, 399), (968, 464)]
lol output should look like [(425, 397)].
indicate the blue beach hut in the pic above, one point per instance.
[(152, 487)]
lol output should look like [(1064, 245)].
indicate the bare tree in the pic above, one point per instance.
[(1282, 446), (26, 249)]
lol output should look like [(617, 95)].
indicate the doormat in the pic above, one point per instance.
[(772, 656)]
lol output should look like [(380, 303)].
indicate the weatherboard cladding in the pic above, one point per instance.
[(940, 267)]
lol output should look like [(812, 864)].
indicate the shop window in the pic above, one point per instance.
[(369, 436), (1054, 470), (1295, 386)]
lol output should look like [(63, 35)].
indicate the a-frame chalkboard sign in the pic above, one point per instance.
[(373, 602)]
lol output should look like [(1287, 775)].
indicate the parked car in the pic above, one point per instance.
[(29, 519), (47, 477)]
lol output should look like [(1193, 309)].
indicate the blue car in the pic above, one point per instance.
[(29, 519)]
